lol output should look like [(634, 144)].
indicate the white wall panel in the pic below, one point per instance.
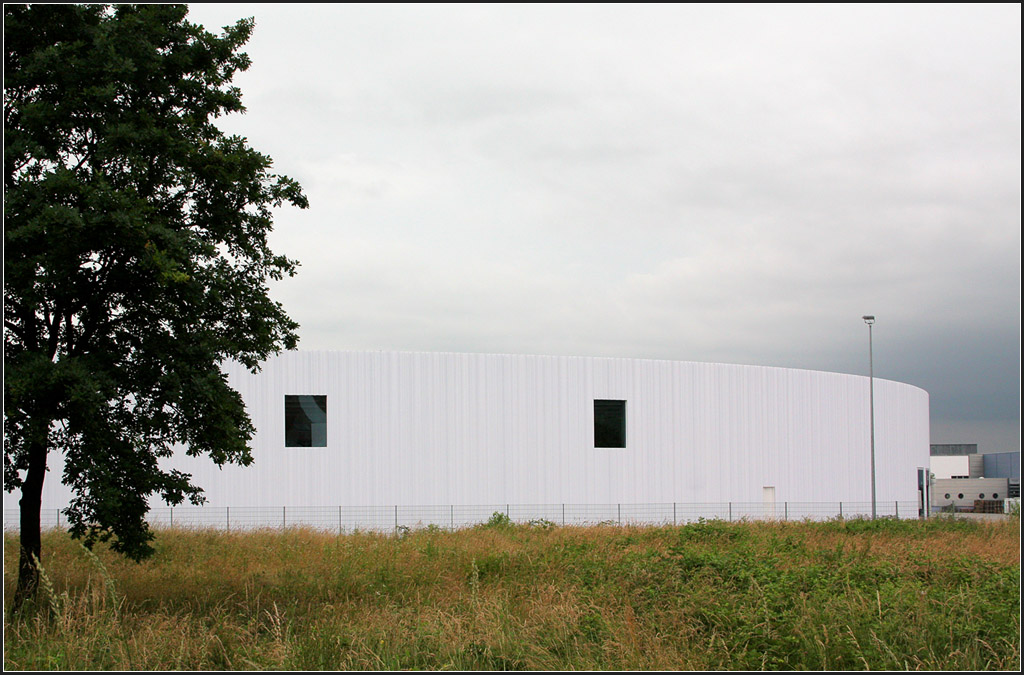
[(412, 428), (945, 468)]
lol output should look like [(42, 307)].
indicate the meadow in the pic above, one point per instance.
[(838, 595)]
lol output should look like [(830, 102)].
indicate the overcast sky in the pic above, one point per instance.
[(735, 184)]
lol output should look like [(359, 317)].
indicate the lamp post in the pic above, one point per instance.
[(870, 320)]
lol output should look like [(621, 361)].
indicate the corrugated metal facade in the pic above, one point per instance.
[(412, 428)]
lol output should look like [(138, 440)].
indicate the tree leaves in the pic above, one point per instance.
[(136, 254)]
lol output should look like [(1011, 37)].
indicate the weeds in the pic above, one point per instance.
[(840, 595)]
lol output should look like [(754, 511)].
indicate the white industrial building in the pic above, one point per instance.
[(344, 430), (963, 479)]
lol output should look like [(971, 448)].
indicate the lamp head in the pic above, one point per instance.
[(869, 319)]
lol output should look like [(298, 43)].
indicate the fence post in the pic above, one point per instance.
[(227, 516), (785, 510), (58, 519), (730, 512), (284, 518), (673, 513), (840, 510), (563, 514), (507, 511), (396, 517), (452, 506), (620, 514), (339, 520), (897, 509), (172, 516)]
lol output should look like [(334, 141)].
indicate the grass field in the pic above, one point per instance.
[(934, 595)]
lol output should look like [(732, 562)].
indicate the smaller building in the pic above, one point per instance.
[(1004, 465), (962, 493), (962, 462)]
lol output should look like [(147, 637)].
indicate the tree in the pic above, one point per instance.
[(135, 262)]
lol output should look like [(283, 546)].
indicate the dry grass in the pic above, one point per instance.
[(713, 595)]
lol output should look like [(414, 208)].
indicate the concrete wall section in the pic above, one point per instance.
[(963, 492)]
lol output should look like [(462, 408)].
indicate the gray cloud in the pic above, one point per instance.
[(734, 184)]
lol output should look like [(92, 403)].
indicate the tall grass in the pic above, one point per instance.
[(934, 595)]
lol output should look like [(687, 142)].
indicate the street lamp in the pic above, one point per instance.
[(869, 320)]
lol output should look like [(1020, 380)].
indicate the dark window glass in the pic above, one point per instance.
[(305, 421), (609, 424)]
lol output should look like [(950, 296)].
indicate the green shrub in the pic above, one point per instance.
[(498, 520)]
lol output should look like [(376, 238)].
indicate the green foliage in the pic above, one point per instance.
[(750, 596), (710, 530), (896, 526), (499, 520), (136, 257)]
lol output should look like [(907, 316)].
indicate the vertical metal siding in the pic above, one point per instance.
[(413, 428)]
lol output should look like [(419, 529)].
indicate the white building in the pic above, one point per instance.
[(958, 466), (380, 429)]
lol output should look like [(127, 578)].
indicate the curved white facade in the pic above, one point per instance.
[(442, 428), (408, 428)]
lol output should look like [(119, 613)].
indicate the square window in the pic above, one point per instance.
[(305, 421), (609, 424)]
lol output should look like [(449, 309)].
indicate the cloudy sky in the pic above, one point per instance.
[(735, 184)]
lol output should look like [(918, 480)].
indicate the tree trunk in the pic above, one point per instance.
[(31, 526)]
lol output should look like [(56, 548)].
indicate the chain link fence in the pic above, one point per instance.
[(387, 518)]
